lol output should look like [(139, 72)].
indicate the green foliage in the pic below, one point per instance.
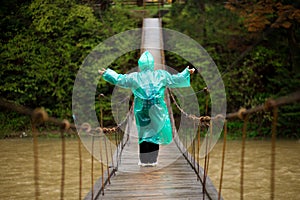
[(254, 67), (254, 129), (44, 43), (42, 52), (11, 121), (42, 59)]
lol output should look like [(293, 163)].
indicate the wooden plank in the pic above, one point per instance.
[(171, 179), (211, 191)]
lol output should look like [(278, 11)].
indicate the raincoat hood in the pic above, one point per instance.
[(146, 61)]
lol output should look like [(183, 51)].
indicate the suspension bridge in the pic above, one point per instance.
[(178, 179), (179, 174)]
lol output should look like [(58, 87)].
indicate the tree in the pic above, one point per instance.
[(40, 62), (249, 41), (261, 15), (275, 60), (43, 44)]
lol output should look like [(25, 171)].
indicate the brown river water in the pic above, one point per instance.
[(17, 169)]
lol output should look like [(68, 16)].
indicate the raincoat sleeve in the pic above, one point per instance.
[(181, 79), (113, 77)]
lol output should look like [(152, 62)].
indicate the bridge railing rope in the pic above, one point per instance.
[(39, 116), (204, 122)]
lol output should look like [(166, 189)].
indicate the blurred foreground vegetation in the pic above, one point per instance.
[(256, 47)]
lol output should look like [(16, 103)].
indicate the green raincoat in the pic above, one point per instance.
[(148, 87)]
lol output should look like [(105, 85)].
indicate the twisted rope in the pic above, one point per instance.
[(245, 118), (223, 159), (80, 168), (92, 168), (65, 126), (38, 116), (284, 100), (204, 120), (273, 151), (243, 114)]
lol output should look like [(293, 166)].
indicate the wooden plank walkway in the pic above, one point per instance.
[(174, 176), (152, 40)]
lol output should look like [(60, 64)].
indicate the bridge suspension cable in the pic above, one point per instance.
[(243, 114)]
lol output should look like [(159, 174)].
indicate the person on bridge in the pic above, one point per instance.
[(150, 110)]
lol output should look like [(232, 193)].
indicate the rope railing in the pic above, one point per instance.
[(203, 120), (106, 152), (242, 114), (39, 116)]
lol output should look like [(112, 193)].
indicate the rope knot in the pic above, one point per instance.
[(110, 130), (270, 103), (105, 130), (99, 130), (205, 90), (86, 127), (201, 119), (204, 120), (219, 116), (241, 113), (39, 115), (65, 125), (207, 118)]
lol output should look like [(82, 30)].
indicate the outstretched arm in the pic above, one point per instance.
[(113, 77), (181, 79)]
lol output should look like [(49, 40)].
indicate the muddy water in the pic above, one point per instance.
[(257, 170), (17, 169)]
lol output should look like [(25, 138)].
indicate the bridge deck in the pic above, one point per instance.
[(171, 179)]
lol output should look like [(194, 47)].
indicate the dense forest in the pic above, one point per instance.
[(255, 44)]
